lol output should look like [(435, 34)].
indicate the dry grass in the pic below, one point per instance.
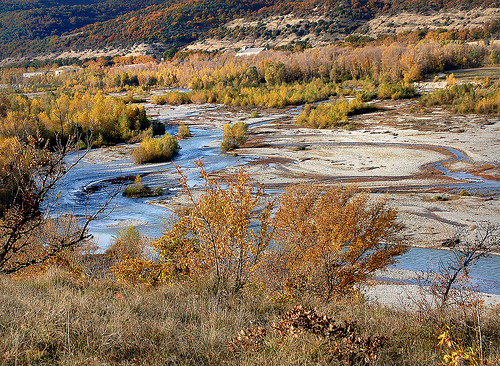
[(50, 320)]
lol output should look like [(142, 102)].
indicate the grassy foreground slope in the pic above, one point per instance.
[(50, 319)]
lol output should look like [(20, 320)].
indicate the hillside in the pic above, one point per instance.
[(36, 28), (33, 19)]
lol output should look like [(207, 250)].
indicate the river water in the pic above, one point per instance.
[(89, 184), (484, 274)]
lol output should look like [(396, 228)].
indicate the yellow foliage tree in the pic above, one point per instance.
[(224, 235), (219, 229)]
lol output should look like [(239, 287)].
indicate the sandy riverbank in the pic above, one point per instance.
[(393, 152)]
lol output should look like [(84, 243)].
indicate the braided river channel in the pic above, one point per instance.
[(91, 182)]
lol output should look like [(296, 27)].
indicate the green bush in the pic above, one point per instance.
[(156, 149)]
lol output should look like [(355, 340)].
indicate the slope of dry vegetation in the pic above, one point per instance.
[(49, 319)]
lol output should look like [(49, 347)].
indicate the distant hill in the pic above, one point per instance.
[(34, 28), (31, 19)]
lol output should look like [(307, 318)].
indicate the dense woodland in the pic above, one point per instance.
[(31, 28)]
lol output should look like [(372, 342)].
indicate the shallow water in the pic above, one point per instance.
[(89, 185), (484, 273)]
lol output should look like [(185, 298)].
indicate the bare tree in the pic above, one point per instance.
[(29, 234), (447, 284)]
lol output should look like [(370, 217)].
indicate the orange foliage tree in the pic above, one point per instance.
[(327, 239)]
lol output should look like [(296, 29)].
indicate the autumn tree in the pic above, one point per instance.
[(275, 73), (230, 231), (328, 239), (321, 241), (222, 236)]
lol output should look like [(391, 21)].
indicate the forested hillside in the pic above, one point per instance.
[(39, 19), (31, 28)]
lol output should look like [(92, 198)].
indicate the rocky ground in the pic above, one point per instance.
[(397, 152)]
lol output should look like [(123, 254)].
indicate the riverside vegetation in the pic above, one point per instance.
[(155, 149), (33, 28), (138, 189), (235, 277), (216, 291), (76, 102)]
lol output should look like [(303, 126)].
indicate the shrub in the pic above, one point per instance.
[(234, 135), (327, 239), (216, 236), (128, 243), (156, 149), (397, 90), (329, 115), (137, 189), (276, 95), (467, 98), (184, 131), (213, 239), (172, 98)]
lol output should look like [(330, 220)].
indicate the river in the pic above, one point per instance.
[(90, 183)]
